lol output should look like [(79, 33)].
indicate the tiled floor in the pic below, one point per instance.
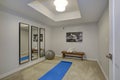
[(80, 70)]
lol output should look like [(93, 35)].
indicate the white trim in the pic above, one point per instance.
[(90, 59), (102, 70), (112, 39), (20, 67), (58, 55)]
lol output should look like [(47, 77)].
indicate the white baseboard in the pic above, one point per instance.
[(90, 59), (21, 67), (102, 70), (58, 55)]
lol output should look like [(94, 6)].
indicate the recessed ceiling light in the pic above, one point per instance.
[(60, 9), (60, 5)]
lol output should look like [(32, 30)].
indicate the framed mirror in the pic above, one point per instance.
[(42, 42), (34, 42), (23, 43)]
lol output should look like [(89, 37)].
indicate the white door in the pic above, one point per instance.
[(111, 40), (114, 64), (117, 38)]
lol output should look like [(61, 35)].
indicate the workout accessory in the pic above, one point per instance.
[(50, 55), (58, 72)]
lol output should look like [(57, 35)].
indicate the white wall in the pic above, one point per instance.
[(48, 39), (89, 44), (9, 42), (104, 42)]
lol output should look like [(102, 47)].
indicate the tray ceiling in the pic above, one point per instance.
[(90, 11), (47, 8)]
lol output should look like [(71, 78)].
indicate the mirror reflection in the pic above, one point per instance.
[(34, 42), (23, 43), (42, 42)]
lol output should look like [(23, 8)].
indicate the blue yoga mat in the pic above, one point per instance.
[(58, 72)]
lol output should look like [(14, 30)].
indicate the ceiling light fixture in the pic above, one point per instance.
[(60, 5), (60, 9)]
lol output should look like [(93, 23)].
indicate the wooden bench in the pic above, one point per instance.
[(76, 54)]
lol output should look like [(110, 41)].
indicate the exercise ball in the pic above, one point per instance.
[(50, 55)]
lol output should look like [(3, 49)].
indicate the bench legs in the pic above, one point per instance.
[(63, 55), (82, 58)]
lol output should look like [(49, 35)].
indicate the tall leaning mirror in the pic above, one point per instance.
[(34, 42), (42, 42), (23, 43)]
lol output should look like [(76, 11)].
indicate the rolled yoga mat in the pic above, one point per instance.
[(58, 72)]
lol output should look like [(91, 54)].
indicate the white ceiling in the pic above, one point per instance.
[(91, 11), (47, 8)]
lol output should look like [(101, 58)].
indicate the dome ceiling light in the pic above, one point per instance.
[(60, 5)]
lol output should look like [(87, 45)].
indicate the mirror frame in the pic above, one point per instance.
[(40, 42), (37, 43), (20, 43)]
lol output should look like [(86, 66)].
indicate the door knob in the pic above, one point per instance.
[(109, 56)]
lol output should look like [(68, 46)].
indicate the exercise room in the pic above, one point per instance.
[(57, 40)]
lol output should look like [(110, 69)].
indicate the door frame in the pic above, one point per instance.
[(112, 40)]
